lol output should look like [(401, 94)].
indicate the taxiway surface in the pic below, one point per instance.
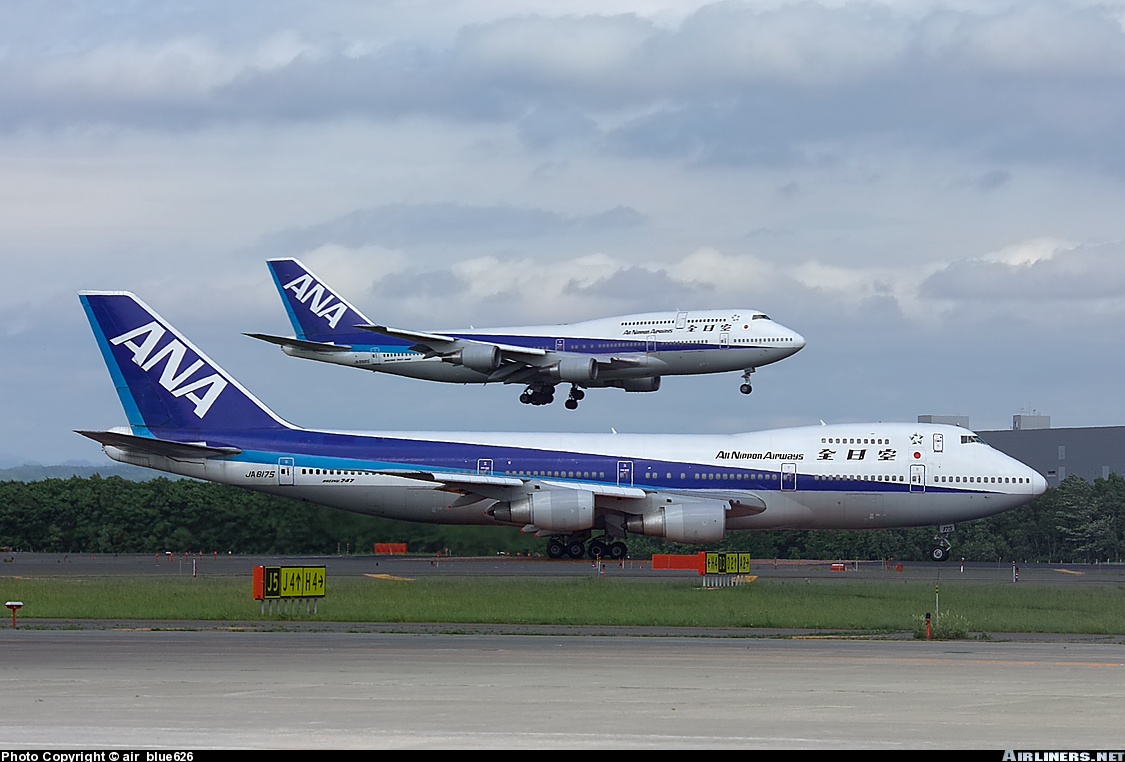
[(135, 686)]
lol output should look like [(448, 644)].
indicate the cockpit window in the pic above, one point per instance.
[(760, 317), (971, 439)]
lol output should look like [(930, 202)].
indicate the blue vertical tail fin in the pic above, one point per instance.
[(316, 311), (165, 383)]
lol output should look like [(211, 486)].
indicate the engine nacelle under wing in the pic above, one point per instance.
[(480, 357), (575, 369), (559, 510), (695, 521), (649, 384)]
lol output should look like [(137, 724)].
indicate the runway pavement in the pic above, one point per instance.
[(136, 686), (88, 689)]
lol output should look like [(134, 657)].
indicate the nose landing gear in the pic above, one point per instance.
[(942, 546), (746, 388)]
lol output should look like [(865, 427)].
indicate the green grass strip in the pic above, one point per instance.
[(871, 607)]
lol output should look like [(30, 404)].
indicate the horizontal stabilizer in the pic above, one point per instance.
[(311, 346), (164, 447)]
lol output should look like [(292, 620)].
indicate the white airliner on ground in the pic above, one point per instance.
[(630, 352), (187, 416)]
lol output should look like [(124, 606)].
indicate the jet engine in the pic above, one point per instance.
[(696, 521), (575, 369), (479, 357), (650, 384), (560, 510)]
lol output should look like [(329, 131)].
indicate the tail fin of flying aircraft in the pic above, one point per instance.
[(316, 311), (167, 386)]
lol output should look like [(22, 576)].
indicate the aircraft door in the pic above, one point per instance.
[(625, 473), (917, 478), (285, 471), (724, 340), (789, 476), (560, 345), (484, 466), (939, 443), (650, 342), (681, 320)]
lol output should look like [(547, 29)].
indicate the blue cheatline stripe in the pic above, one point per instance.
[(459, 458)]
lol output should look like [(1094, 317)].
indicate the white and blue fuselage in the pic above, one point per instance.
[(631, 352), (187, 416)]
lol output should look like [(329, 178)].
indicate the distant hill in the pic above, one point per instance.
[(34, 473)]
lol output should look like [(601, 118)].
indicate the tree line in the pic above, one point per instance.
[(1078, 522)]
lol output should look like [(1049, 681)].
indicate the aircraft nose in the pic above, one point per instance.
[(1038, 484), (794, 342)]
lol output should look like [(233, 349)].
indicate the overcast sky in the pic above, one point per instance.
[(933, 194)]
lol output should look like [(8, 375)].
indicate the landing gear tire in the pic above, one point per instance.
[(575, 549), (746, 388), (597, 549), (617, 550), (941, 547), (571, 404), (556, 549), (538, 395)]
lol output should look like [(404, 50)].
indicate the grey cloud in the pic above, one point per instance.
[(992, 180), (425, 285), (643, 289), (546, 126), (402, 225), (729, 85), (1084, 273)]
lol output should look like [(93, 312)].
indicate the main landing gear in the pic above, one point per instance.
[(574, 397), (544, 394), (599, 547), (746, 388), (538, 394)]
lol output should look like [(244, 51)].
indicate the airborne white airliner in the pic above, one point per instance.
[(630, 352), (187, 416)]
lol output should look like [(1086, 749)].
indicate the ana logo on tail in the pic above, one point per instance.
[(317, 298), (146, 355)]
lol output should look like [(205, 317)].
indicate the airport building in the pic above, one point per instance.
[(1091, 452)]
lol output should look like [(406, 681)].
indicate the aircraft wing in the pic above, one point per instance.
[(312, 346), (437, 344), (456, 480), (742, 503), (164, 447), (617, 362), (482, 483)]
